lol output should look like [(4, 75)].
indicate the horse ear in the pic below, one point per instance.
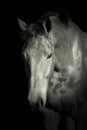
[(48, 24), (22, 24)]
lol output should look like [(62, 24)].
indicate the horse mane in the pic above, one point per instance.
[(60, 14), (34, 29)]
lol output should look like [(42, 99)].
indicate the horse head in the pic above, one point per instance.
[(53, 52)]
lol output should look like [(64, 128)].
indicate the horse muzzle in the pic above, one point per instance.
[(36, 103)]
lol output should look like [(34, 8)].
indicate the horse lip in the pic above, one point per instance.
[(35, 108)]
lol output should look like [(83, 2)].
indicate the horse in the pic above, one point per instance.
[(55, 57)]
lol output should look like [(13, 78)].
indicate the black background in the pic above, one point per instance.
[(12, 67)]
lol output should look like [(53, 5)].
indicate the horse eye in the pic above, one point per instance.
[(49, 56)]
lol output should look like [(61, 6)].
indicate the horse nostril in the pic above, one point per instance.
[(40, 103)]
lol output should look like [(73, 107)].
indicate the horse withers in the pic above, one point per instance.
[(55, 52)]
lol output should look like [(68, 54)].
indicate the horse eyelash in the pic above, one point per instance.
[(49, 56)]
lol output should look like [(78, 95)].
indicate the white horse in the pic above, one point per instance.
[(55, 52)]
